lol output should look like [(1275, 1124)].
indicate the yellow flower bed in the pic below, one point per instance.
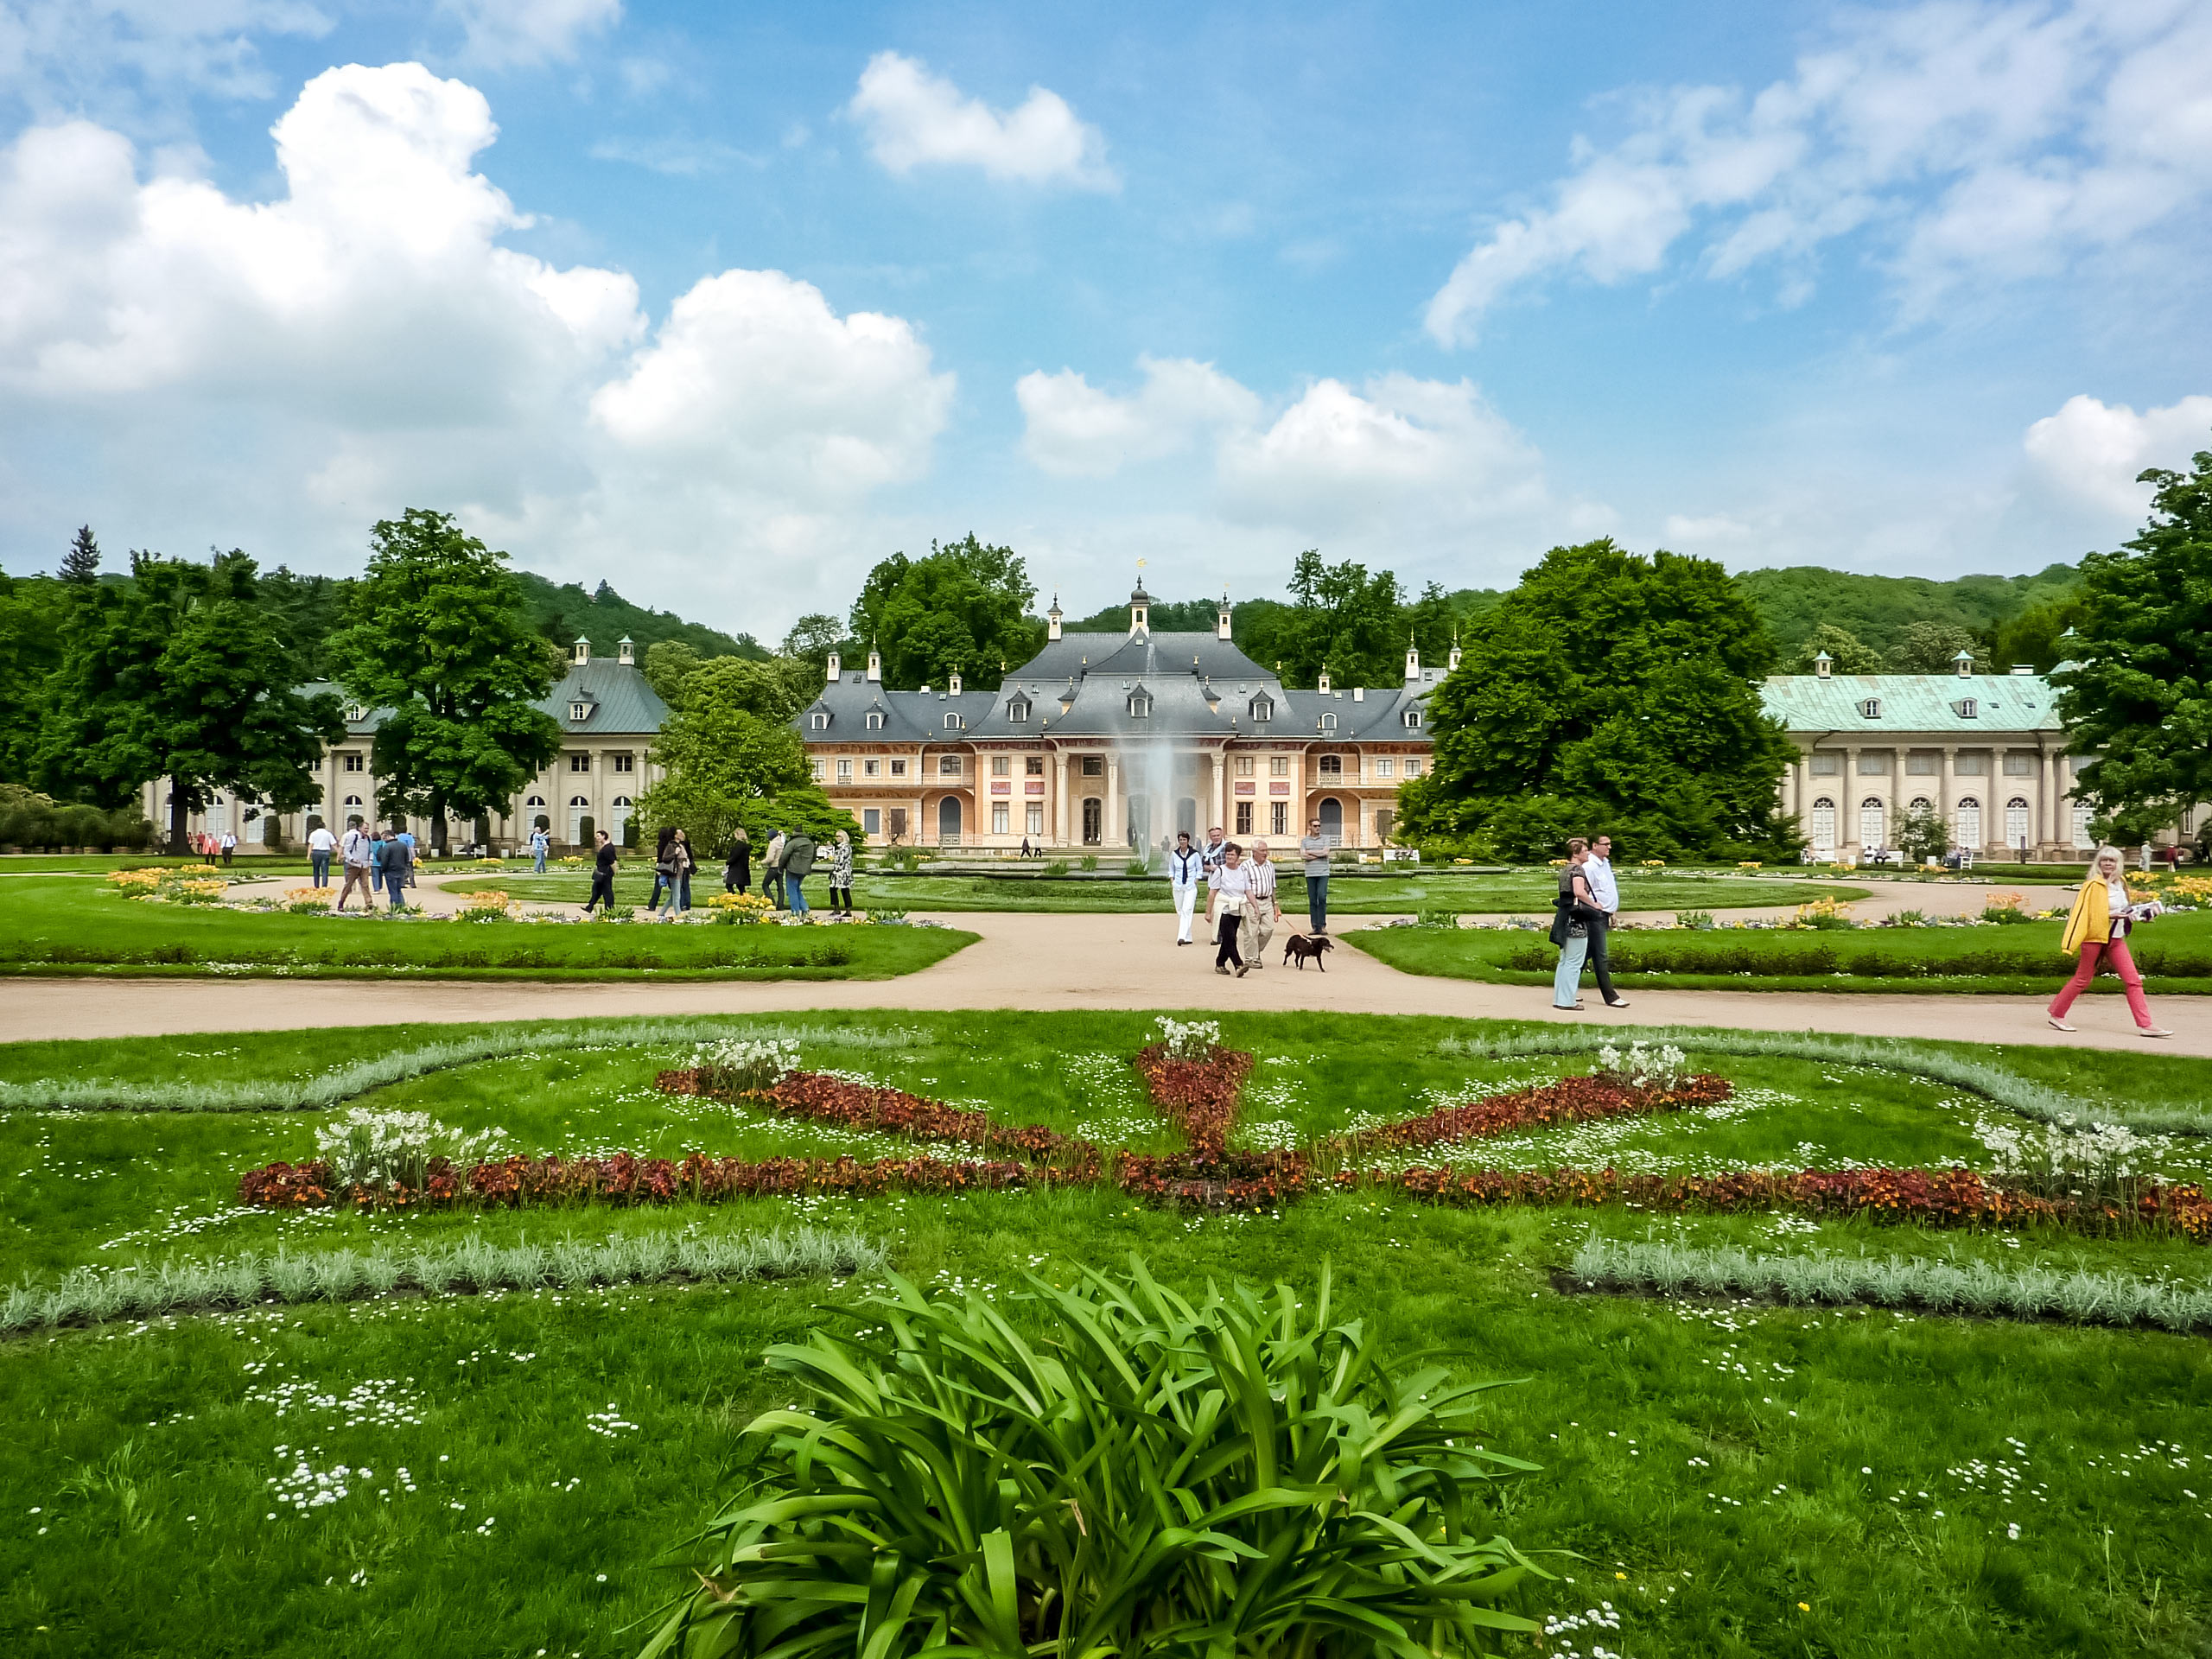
[(143, 880), (490, 899), (307, 895), (749, 903)]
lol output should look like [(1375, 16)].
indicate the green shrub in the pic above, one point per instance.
[(1698, 921), (1241, 1477), (1057, 866), (1091, 861), (1437, 919)]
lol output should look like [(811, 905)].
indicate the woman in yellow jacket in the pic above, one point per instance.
[(2098, 927)]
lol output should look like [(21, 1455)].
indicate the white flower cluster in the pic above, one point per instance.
[(383, 1150), (1643, 1067), (2068, 1158), (1189, 1040), (750, 1065)]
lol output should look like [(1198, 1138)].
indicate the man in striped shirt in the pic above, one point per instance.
[(1263, 912)]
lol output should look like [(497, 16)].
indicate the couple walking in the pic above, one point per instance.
[(790, 858), (1589, 898), (1241, 903)]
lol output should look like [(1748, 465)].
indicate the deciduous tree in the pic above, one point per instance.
[(438, 640), (963, 608)]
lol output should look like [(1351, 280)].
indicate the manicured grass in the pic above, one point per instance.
[(2018, 959), (148, 1450), (1354, 892), (68, 926)]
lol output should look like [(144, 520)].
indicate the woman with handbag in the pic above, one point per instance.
[(1232, 897), (2097, 928), (1572, 914), (674, 868)]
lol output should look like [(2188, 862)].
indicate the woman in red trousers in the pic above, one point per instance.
[(2097, 929)]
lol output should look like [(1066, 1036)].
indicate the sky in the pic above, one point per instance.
[(723, 303)]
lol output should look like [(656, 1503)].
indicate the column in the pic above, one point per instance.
[(2049, 815), (1111, 830), (1791, 792), (1220, 794), (1992, 809), (1060, 837), (1948, 803), (1846, 804)]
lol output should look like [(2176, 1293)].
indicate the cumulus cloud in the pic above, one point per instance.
[(1072, 430), (2092, 451), (285, 371), (1986, 142), (914, 118), (507, 34)]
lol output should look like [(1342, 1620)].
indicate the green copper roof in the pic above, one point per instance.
[(1999, 703)]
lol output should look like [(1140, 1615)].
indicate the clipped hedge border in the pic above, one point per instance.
[(1830, 1278)]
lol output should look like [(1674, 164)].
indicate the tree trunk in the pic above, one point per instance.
[(178, 807), (440, 835)]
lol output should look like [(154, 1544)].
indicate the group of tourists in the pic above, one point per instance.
[(790, 857), (1243, 902), (213, 848), (374, 860)]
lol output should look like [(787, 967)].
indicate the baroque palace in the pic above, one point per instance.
[(1116, 741)]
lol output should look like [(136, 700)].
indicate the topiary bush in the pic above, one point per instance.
[(1146, 1477)]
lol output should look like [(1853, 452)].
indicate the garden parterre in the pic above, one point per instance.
[(1652, 1431)]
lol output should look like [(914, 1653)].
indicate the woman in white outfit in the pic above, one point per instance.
[(1232, 897)]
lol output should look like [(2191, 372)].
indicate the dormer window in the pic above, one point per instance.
[(876, 720), (819, 722), (1328, 722), (354, 711), (1412, 720), (1871, 708), (1139, 705), (1965, 707), (579, 710), (1263, 709), (1017, 710), (954, 724)]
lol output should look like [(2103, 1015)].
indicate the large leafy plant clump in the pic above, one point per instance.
[(1148, 1477)]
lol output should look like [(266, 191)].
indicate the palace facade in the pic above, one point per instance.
[(1118, 742)]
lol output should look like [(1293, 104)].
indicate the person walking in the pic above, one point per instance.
[(358, 852), (321, 844), (2097, 929), (771, 870), (540, 844), (673, 869), (1315, 849), (664, 866), (230, 845), (1232, 897), (737, 872), (1186, 868), (841, 874), (603, 874), (1209, 859), (399, 866), (1572, 913), (1262, 914), (1606, 892), (798, 864)]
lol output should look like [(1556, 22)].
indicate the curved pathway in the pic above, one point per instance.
[(1040, 962)]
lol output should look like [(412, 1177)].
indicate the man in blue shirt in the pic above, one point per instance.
[(539, 841), (1598, 869)]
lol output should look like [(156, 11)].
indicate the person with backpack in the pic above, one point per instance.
[(798, 864), (358, 852)]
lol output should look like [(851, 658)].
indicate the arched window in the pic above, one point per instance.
[(1328, 722), (2016, 822), (1017, 710), (953, 722), (1823, 826), (876, 720), (1871, 708), (1921, 804), (1412, 720), (535, 800), (820, 722), (1872, 823), (1966, 823)]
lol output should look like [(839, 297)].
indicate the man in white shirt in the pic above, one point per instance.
[(1184, 867), (1598, 867), (321, 844), (359, 851), (1210, 857), (1264, 910)]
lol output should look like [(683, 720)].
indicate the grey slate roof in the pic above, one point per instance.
[(2002, 703), (620, 702)]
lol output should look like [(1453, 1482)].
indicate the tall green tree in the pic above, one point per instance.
[(82, 562), (2138, 696), (1609, 692), (730, 756), (182, 674), (1344, 619), (34, 622), (963, 608), (437, 639), (1846, 654), (1930, 647)]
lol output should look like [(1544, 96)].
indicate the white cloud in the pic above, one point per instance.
[(1987, 142), (505, 34), (279, 374), (75, 56), (2092, 451), (915, 119), (1072, 430)]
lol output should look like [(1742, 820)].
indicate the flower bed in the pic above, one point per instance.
[(825, 1099), (1571, 1100), (1199, 1095)]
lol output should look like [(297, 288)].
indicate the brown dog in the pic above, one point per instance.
[(1299, 947)]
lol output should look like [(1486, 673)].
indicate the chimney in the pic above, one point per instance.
[(833, 672), (1823, 665), (1359, 694), (1052, 619), (2024, 668), (580, 653), (874, 664), (1221, 622), (952, 685), (625, 650)]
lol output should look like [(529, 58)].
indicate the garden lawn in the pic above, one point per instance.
[(65, 925), (1373, 892), (2173, 952), (1714, 1466)]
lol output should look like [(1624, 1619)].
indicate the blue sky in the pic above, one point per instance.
[(722, 304)]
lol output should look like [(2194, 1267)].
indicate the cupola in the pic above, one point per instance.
[(1139, 609), (1823, 665), (1052, 619), (580, 653), (625, 650), (874, 665), (1964, 661), (1221, 621)]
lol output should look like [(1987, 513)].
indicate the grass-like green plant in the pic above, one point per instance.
[(1833, 1277), (88, 1295), (1147, 1477)]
